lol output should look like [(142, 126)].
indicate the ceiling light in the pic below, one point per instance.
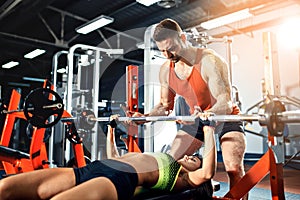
[(227, 19), (147, 2), (10, 64), (34, 53), (94, 24)]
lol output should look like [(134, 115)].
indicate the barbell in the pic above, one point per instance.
[(274, 118), (274, 123), (220, 118), (44, 108)]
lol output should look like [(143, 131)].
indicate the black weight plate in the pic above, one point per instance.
[(35, 111)]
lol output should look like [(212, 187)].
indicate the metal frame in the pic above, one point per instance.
[(95, 91), (148, 90), (54, 83)]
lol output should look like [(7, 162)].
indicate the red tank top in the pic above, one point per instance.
[(194, 89)]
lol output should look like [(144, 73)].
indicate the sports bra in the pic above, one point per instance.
[(169, 170)]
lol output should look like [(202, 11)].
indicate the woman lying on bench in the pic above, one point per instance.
[(116, 178)]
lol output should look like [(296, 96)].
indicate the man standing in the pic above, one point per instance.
[(200, 76)]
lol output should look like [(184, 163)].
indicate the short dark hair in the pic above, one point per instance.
[(167, 28)]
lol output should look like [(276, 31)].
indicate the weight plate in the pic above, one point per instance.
[(43, 108)]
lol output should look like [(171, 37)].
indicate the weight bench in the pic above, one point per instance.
[(151, 194)]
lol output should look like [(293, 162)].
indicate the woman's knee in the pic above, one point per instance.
[(5, 189), (43, 192)]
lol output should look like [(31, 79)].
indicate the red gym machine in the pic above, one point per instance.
[(15, 161), (37, 113), (132, 104)]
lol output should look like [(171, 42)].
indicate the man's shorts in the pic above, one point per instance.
[(196, 129), (123, 176)]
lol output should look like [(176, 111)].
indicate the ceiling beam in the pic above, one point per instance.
[(28, 8), (37, 41), (8, 6)]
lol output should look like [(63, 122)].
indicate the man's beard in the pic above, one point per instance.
[(174, 58)]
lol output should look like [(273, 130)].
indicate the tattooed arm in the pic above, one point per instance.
[(214, 70)]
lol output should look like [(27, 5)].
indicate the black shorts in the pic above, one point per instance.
[(123, 176), (196, 129)]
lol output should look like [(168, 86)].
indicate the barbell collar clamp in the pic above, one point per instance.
[(57, 105)]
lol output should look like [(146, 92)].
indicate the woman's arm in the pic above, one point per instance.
[(209, 162), (111, 147)]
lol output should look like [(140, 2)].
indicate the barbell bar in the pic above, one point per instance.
[(43, 104), (285, 116), (220, 118), (274, 122)]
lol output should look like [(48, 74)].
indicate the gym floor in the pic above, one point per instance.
[(291, 173)]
